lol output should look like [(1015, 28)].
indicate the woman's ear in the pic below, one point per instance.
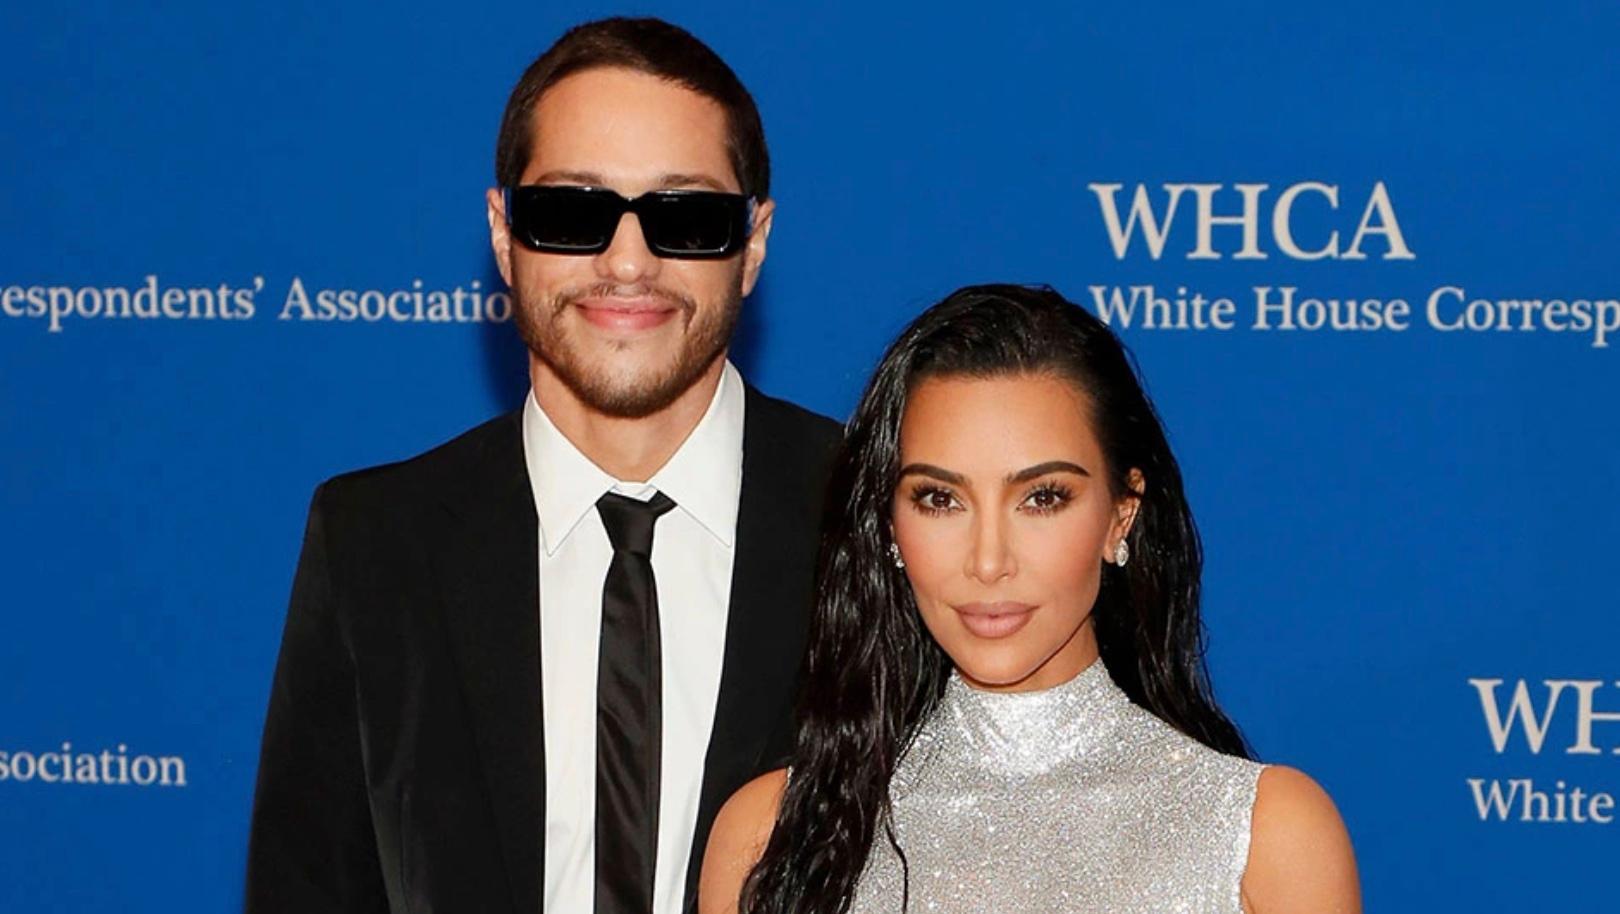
[(1125, 509)]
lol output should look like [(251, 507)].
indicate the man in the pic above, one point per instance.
[(522, 671)]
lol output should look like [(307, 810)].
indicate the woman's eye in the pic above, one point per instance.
[(1047, 499), (933, 501)]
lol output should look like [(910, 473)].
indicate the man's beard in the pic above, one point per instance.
[(708, 333)]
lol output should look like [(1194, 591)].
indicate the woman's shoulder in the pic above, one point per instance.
[(740, 832), (1300, 857), (753, 807)]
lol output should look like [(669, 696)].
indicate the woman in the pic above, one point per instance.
[(1006, 707)]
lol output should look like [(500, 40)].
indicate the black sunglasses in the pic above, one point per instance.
[(686, 224)]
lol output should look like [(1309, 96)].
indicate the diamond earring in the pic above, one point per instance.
[(894, 554), (1122, 553)]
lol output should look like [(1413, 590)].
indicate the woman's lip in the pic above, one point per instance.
[(994, 620)]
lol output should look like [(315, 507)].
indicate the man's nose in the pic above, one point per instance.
[(627, 258)]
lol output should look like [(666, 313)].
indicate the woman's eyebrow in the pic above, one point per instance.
[(1041, 469), (939, 473), (1024, 475)]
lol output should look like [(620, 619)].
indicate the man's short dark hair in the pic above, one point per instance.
[(650, 46)]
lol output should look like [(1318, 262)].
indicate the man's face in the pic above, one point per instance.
[(626, 330)]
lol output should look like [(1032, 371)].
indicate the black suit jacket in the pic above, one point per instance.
[(402, 767)]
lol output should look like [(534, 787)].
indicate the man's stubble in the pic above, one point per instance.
[(707, 336)]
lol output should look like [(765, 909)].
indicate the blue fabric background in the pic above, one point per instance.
[(1387, 514)]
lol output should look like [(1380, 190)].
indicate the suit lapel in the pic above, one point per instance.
[(491, 581)]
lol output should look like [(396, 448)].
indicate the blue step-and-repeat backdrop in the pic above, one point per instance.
[(1365, 252)]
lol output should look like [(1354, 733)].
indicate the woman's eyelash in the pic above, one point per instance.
[(931, 499), (1049, 497)]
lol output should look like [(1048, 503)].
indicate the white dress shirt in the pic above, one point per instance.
[(693, 549)]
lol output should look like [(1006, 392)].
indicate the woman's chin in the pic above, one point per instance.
[(1000, 673)]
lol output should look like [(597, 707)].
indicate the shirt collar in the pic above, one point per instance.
[(703, 477)]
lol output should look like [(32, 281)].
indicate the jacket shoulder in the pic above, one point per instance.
[(426, 477), (783, 419)]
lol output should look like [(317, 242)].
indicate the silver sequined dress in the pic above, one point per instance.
[(1066, 800)]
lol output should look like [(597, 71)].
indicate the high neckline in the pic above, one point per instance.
[(1072, 798), (1025, 732)]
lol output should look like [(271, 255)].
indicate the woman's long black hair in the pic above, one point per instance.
[(873, 672)]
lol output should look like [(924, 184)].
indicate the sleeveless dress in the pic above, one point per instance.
[(1067, 800)]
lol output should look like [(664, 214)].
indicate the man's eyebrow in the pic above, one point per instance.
[(687, 180), (1041, 469), (589, 178), (665, 182), (939, 473)]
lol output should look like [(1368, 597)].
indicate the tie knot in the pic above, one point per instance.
[(629, 521)]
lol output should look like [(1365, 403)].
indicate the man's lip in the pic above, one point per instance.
[(626, 313), (638, 304)]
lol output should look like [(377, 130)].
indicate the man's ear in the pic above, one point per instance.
[(500, 234), (754, 253)]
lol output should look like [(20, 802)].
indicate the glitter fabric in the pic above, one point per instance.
[(1066, 800)]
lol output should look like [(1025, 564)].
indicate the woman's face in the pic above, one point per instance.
[(1004, 519)]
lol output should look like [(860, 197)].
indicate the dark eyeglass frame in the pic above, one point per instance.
[(524, 203)]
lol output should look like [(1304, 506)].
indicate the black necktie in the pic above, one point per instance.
[(629, 712)]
